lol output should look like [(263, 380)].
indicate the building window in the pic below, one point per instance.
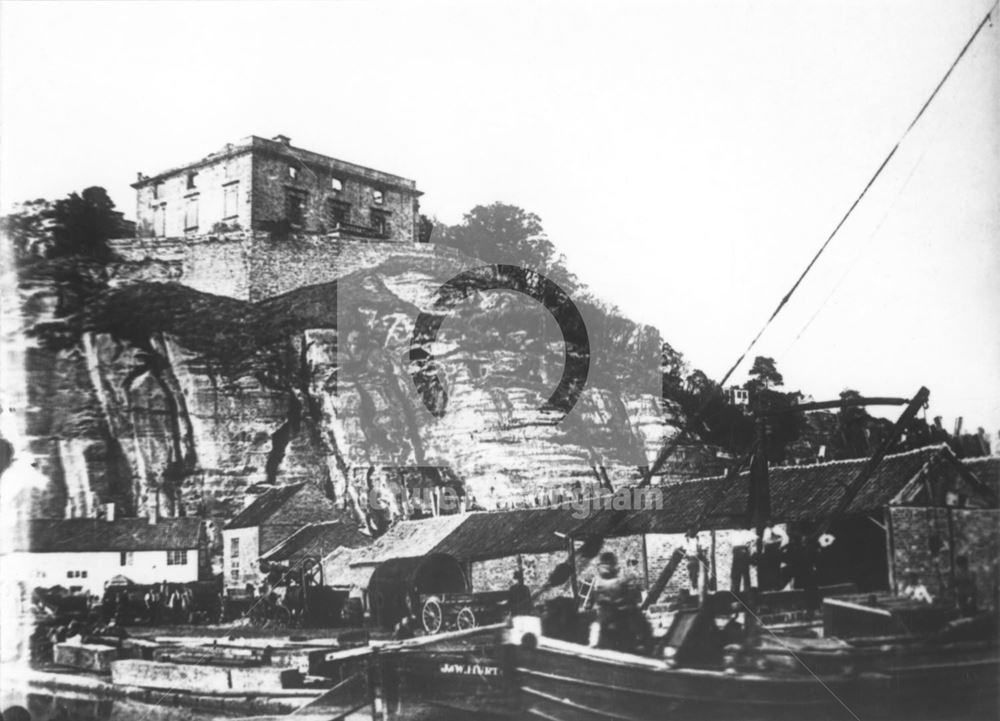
[(378, 197), (126, 558), (380, 222), (191, 214), (156, 190), (337, 213), (295, 209), (177, 558), (293, 172), (336, 185), (230, 193), (192, 179), (160, 220), (76, 574)]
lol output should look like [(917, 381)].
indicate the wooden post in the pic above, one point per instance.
[(645, 562), (572, 565), (890, 549), (951, 551), (713, 572)]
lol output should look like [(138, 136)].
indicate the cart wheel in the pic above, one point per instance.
[(312, 572), (466, 619), (432, 615)]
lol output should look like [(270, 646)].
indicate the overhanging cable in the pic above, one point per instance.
[(661, 458)]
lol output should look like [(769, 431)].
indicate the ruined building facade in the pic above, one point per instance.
[(259, 184)]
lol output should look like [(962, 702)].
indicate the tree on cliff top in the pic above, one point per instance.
[(502, 233), (65, 243), (77, 226)]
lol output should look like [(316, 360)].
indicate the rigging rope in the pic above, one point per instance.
[(661, 458)]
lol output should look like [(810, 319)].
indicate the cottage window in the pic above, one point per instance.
[(336, 184), (337, 212), (156, 190), (295, 209), (293, 173), (192, 179), (378, 197), (127, 558), (229, 197), (177, 558), (191, 214), (379, 222)]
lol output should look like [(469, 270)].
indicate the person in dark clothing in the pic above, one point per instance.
[(623, 627), (519, 597), (404, 629), (739, 575), (769, 564), (693, 557)]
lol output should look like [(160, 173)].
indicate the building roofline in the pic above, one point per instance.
[(255, 143)]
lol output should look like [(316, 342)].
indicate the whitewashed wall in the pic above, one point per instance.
[(51, 569)]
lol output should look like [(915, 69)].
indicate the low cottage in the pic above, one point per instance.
[(84, 554)]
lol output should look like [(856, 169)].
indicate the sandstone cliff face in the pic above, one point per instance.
[(178, 401)]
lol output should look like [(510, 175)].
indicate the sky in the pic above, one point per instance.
[(687, 158)]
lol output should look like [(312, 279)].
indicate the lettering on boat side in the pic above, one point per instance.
[(470, 669)]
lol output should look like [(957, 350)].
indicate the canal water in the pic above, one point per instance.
[(69, 706)]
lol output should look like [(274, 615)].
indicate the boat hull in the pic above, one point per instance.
[(569, 683)]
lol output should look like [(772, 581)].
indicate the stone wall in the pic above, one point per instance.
[(961, 532), (211, 181), (272, 182), (498, 574)]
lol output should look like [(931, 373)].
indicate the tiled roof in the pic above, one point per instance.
[(411, 538), (265, 506), (798, 493), (496, 534), (316, 539), (342, 568), (125, 534), (986, 469)]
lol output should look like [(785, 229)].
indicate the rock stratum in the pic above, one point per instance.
[(179, 401)]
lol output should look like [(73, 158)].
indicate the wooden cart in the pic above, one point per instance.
[(462, 611)]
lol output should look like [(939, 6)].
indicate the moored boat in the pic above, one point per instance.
[(896, 679)]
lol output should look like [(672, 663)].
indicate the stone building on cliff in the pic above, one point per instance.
[(261, 184)]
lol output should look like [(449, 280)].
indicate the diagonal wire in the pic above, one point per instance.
[(661, 458)]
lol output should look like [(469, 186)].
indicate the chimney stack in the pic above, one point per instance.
[(283, 139)]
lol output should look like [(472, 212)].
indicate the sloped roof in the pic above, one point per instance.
[(265, 506), (986, 469), (125, 534), (798, 493), (496, 534), (316, 539), (341, 569), (411, 538)]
